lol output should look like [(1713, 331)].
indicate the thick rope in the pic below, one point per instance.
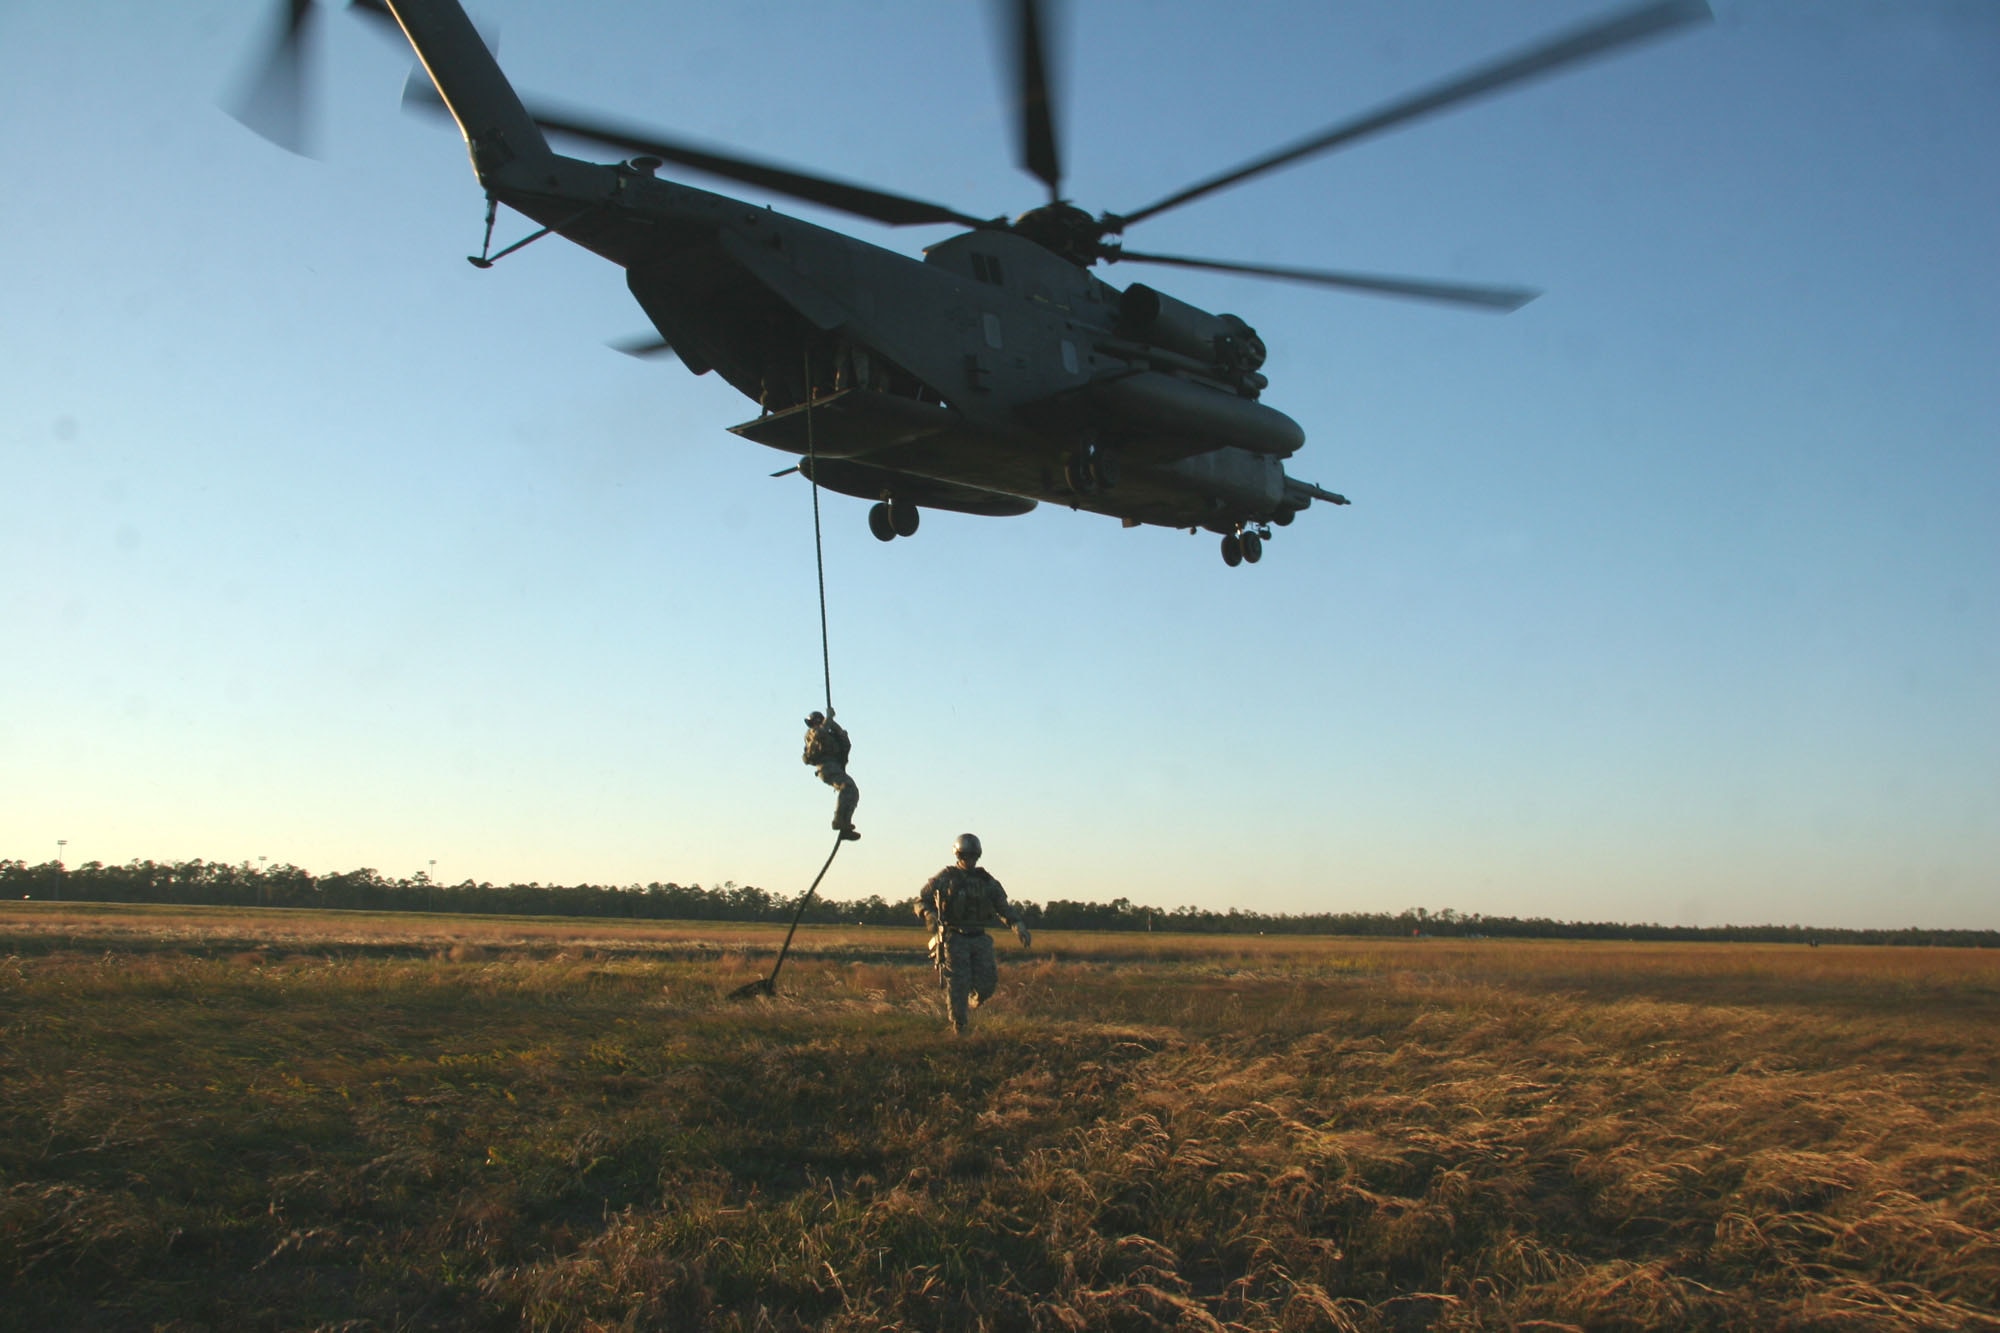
[(819, 550), (769, 985)]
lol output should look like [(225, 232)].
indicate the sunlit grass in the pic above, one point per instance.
[(295, 1119)]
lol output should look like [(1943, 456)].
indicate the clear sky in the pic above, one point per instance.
[(1670, 597)]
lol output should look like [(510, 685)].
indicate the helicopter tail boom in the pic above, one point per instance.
[(498, 129)]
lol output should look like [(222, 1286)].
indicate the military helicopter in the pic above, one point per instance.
[(995, 373)]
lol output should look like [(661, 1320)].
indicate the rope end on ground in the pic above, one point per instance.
[(768, 986)]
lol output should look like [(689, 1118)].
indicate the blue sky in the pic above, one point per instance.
[(1670, 597)]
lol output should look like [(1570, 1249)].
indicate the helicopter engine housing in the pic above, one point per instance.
[(1223, 341)]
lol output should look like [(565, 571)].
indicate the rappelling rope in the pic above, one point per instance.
[(769, 985), (819, 550)]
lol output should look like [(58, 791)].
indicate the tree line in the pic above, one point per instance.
[(223, 884)]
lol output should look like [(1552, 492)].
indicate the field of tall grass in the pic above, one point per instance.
[(216, 1119)]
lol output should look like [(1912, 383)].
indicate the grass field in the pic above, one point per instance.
[(215, 1119)]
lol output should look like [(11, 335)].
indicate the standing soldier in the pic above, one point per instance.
[(958, 904), (826, 749)]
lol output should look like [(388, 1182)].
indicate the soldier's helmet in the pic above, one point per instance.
[(815, 717), (966, 848)]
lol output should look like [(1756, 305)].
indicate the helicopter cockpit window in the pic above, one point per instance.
[(986, 268)]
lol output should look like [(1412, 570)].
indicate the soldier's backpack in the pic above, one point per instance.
[(828, 744), (833, 743), (967, 901)]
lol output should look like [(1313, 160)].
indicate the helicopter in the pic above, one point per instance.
[(997, 372)]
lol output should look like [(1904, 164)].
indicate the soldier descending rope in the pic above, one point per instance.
[(958, 904), (827, 747)]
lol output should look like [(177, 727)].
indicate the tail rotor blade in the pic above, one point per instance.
[(273, 101), (378, 11), (421, 97), (276, 100)]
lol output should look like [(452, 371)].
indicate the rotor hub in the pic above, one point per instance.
[(1063, 229)]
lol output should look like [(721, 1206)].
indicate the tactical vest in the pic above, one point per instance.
[(968, 899), (827, 744)]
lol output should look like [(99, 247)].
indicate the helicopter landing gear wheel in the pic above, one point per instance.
[(1232, 549), (881, 524), (1076, 474), (1103, 467), (1090, 468), (903, 517), (1253, 547)]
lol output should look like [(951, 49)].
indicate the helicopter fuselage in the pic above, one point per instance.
[(997, 372), (989, 376)]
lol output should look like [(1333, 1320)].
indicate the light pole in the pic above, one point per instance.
[(60, 844), (430, 890)]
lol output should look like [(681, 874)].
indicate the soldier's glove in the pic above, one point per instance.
[(1021, 934)]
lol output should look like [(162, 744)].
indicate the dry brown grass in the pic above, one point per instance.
[(286, 1120)]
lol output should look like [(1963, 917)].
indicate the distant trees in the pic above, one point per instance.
[(224, 884), (1120, 914)]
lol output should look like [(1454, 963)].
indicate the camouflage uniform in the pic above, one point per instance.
[(826, 749), (964, 901)]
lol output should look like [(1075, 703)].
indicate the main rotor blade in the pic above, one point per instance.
[(273, 101), (1452, 293), (1029, 41), (1580, 44), (895, 209)]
